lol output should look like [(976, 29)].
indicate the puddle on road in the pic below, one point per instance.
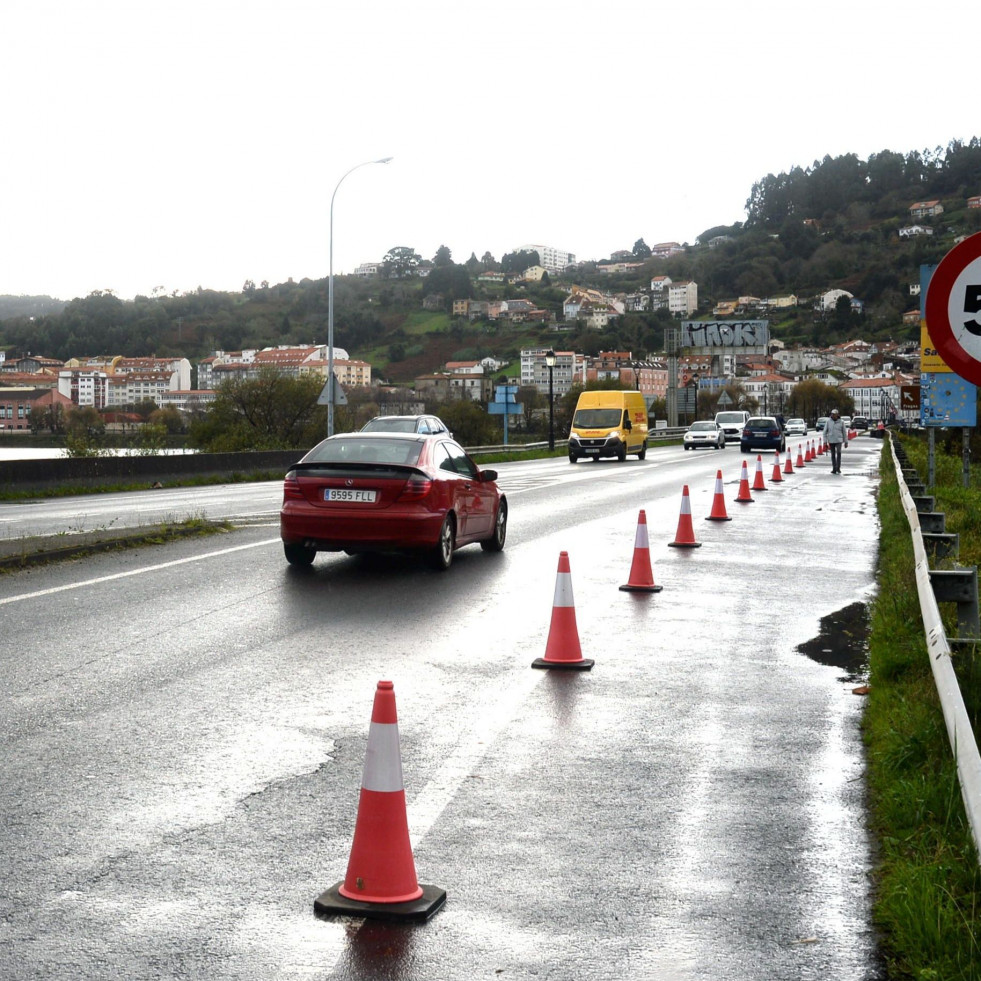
[(843, 642)]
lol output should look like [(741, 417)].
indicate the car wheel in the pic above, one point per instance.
[(496, 542), (743, 448), (299, 554), (642, 455), (687, 448), (622, 454), (441, 556), (573, 458)]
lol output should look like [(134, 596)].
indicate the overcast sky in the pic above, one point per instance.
[(186, 144)]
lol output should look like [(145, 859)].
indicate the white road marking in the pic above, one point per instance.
[(135, 572)]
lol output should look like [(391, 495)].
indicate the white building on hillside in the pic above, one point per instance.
[(554, 260), (682, 299)]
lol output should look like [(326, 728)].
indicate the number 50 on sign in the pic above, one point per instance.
[(953, 308)]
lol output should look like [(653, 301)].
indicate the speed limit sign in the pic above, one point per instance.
[(953, 308)]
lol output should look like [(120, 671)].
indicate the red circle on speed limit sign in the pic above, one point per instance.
[(953, 308)]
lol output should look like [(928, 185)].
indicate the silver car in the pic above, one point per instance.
[(706, 433), (796, 427)]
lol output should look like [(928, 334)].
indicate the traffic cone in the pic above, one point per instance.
[(562, 649), (776, 478), (800, 457), (718, 501), (685, 535), (758, 484), (381, 874), (787, 467), (744, 496), (808, 454), (820, 446), (641, 577)]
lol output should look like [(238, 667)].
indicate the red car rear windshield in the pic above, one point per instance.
[(398, 451)]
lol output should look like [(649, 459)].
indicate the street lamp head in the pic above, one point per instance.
[(550, 358)]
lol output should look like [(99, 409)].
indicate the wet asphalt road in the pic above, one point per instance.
[(184, 732)]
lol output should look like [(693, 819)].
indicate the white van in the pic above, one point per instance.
[(732, 423)]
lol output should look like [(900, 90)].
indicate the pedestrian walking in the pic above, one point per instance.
[(836, 436)]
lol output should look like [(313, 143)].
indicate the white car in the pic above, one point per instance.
[(705, 433), (796, 427)]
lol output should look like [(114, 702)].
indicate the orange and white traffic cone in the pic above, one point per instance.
[(787, 466), (808, 456), (381, 874), (641, 576), (777, 477), (758, 484), (685, 535), (562, 649), (820, 446), (800, 457), (744, 496), (718, 501)]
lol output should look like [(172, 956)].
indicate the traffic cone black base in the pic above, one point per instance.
[(332, 903), (583, 664)]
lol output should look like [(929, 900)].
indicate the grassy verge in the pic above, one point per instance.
[(928, 889), (22, 552)]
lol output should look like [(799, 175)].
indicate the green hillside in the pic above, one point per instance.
[(834, 224)]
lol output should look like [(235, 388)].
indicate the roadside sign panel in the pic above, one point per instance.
[(909, 397), (953, 309), (324, 397), (946, 399)]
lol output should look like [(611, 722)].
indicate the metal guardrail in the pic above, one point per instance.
[(959, 731), (653, 436)]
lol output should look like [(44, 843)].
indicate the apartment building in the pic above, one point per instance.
[(569, 369), (682, 299), (554, 260)]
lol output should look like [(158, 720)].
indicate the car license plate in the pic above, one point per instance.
[(591, 450), (345, 494)]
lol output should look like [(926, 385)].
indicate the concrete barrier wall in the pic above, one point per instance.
[(30, 475)]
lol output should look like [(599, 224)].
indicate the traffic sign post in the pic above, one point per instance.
[(953, 309), (503, 406), (953, 322)]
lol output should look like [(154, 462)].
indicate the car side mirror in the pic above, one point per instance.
[(486, 475)]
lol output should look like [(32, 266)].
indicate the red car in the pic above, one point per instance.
[(382, 492)]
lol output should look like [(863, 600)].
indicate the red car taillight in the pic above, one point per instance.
[(291, 488), (416, 488)]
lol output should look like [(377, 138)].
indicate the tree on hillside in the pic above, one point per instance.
[(400, 261), (641, 249), (269, 412), (443, 257), (489, 262), (452, 281), (513, 263)]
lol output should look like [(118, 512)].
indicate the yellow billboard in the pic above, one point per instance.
[(930, 360)]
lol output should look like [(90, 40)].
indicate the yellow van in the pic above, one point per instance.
[(609, 424)]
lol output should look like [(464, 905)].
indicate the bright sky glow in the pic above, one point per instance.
[(187, 144)]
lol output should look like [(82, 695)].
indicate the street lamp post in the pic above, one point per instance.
[(330, 300), (550, 362)]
